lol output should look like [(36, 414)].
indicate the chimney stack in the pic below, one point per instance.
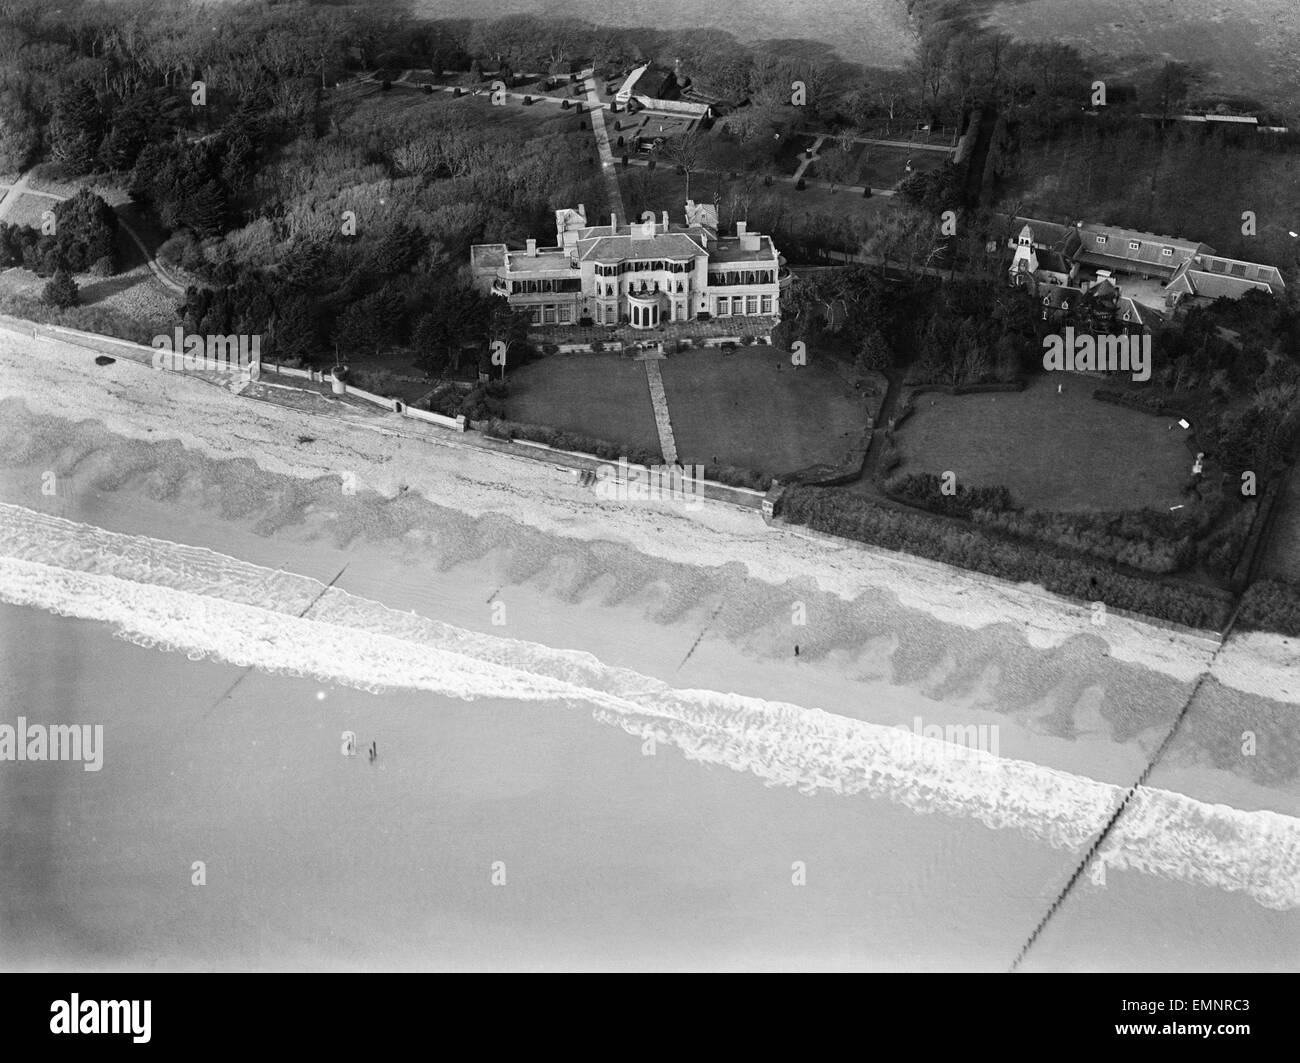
[(613, 221), (532, 248), (665, 223), (740, 228)]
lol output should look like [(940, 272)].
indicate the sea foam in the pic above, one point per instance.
[(205, 604)]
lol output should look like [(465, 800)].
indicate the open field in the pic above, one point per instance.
[(1249, 46), (599, 395), (881, 166), (1202, 186), (664, 189), (1053, 452), (865, 31), (751, 408)]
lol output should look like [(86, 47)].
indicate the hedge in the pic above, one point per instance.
[(1098, 535), (499, 428), (1146, 400), (861, 518), (925, 489), (736, 477), (1272, 605)]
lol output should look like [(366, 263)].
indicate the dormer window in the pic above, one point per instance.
[(1100, 239), (1168, 252), (1133, 245)]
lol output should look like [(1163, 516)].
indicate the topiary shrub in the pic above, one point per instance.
[(801, 185), (61, 290), (427, 90)]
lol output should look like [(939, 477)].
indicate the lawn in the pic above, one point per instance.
[(752, 409), (1051, 451), (600, 395), (881, 166), (28, 210), (664, 189)]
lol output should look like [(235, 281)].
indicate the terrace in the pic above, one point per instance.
[(668, 331)]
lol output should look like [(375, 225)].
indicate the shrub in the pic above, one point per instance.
[(377, 382), (1125, 539), (735, 477), (499, 428), (60, 290), (564, 104), (1272, 605), (1148, 400), (890, 456), (801, 185), (1222, 550), (427, 90), (385, 85), (924, 489), (102, 266), (859, 517)]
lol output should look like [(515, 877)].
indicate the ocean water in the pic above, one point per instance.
[(636, 823)]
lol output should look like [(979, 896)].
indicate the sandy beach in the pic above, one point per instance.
[(512, 643)]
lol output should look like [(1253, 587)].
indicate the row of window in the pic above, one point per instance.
[(1136, 245), (610, 290), (568, 284), (724, 306), (639, 267), (748, 276), (736, 305), (548, 314)]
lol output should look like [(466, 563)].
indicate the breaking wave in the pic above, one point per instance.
[(204, 604)]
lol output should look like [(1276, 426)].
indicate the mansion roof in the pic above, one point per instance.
[(679, 245), (1212, 277)]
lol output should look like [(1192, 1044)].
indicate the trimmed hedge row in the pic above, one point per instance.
[(969, 389), (1272, 605), (859, 517), (499, 428), (736, 477), (924, 489), (480, 403), (1098, 535), (1147, 401)]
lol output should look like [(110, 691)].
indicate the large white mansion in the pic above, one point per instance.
[(642, 273)]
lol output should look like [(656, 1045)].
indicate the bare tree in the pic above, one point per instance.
[(687, 154)]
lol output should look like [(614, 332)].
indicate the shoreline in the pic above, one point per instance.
[(700, 602), (1140, 638)]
